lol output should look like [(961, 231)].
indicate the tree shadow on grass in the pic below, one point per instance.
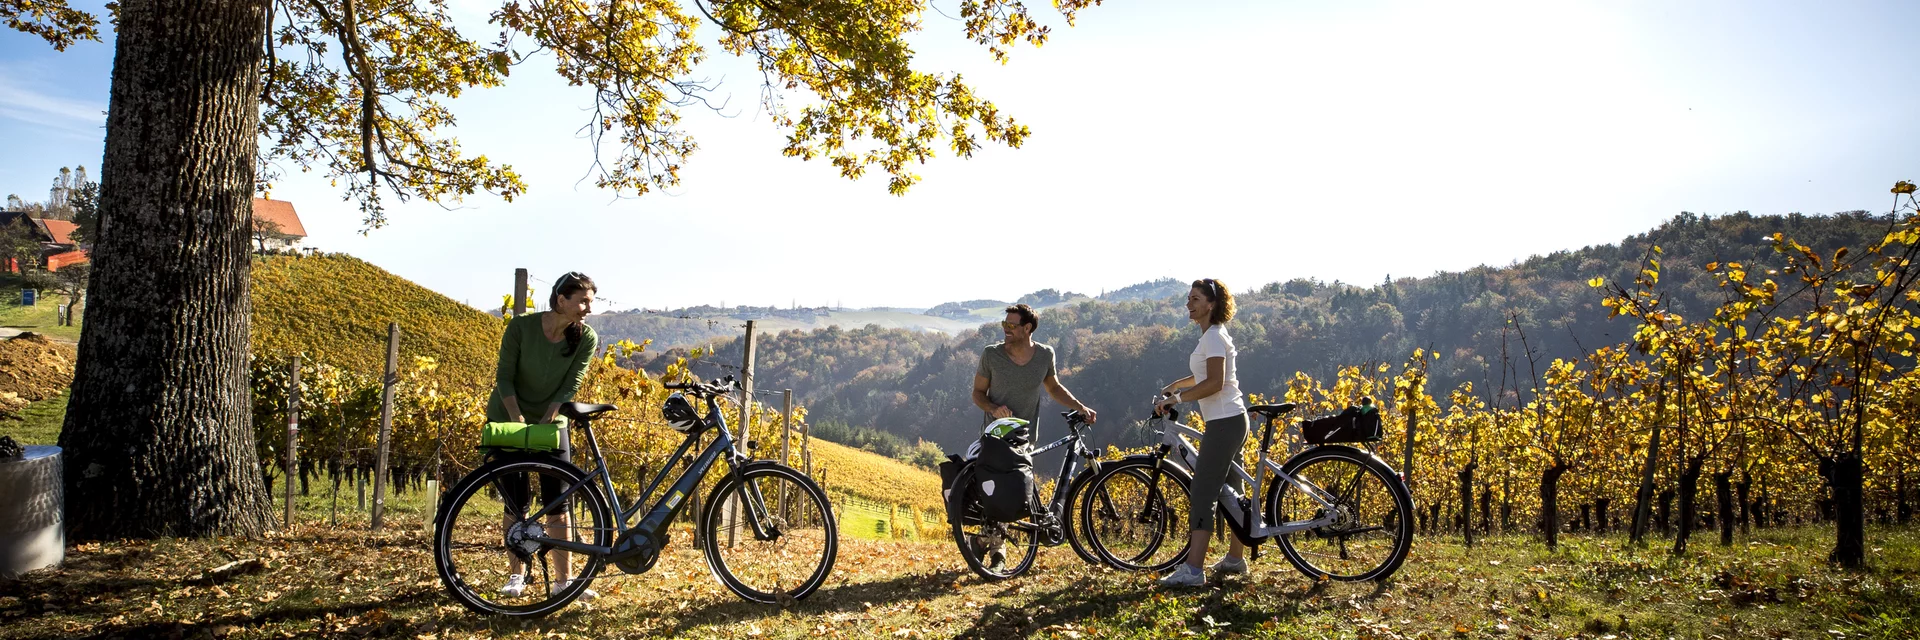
[(173, 629)]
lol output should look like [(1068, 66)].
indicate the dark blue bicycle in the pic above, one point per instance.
[(767, 529)]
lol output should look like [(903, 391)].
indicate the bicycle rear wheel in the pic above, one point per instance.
[(1135, 515), (476, 541), (769, 533), (994, 550), (1372, 531)]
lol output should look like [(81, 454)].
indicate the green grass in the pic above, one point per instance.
[(41, 318), (38, 423), (316, 579)]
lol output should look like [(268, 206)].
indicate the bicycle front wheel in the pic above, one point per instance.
[(1372, 529), (1135, 515), (480, 548), (769, 533)]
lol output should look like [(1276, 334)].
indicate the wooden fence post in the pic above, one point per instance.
[(519, 292), (786, 443), (293, 434), (386, 422)]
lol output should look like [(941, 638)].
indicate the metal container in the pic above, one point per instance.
[(33, 533)]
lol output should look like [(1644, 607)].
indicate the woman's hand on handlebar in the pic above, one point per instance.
[(1163, 403)]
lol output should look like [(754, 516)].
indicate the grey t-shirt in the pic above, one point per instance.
[(1016, 387)]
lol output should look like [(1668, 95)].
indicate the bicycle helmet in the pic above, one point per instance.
[(679, 414)]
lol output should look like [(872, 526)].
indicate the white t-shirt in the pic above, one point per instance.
[(1226, 402)]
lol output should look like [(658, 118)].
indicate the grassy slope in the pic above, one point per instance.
[(38, 423), (337, 307), (41, 318), (322, 581)]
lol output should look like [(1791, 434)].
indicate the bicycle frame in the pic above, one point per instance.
[(1174, 439), (1077, 441), (668, 505)]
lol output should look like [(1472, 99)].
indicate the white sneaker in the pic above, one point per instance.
[(587, 594), (1184, 576), (516, 585), (1230, 566)]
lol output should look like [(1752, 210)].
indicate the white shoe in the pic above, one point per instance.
[(586, 594), (1230, 566), (516, 585), (1184, 575)]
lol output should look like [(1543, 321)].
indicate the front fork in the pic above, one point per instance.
[(759, 518)]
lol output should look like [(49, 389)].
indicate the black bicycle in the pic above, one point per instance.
[(1000, 550), (767, 530)]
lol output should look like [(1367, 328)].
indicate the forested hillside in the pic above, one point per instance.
[(1116, 351)]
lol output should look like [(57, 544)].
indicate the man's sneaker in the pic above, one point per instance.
[(1230, 566), (1184, 575), (516, 585), (585, 594)]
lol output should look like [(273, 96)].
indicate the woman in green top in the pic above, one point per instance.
[(543, 359)]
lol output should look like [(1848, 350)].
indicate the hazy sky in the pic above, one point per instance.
[(1248, 141)]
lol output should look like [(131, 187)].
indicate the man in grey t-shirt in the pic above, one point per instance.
[(1012, 373)]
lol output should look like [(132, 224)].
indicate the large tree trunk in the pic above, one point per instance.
[(1600, 512), (1723, 494), (158, 437), (1689, 485), (1850, 549), (1550, 503), (1643, 500)]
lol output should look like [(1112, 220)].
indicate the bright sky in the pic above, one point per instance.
[(1249, 141)]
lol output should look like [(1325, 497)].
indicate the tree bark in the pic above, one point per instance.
[(1850, 547), (1600, 511), (1486, 510), (1643, 500), (1689, 486), (1666, 510), (1743, 491), (1586, 516), (1723, 493), (1466, 502), (1550, 503), (158, 437)]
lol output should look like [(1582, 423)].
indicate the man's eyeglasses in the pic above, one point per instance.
[(1009, 325)]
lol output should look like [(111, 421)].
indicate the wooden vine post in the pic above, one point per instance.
[(386, 422)]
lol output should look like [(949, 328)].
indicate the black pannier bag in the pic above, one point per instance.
[(1003, 479), (950, 469), (1355, 424)]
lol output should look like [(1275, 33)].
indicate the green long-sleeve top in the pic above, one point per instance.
[(535, 370)]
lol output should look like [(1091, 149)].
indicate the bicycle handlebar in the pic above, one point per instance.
[(714, 387)]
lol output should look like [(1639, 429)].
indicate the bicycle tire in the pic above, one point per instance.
[(957, 503), (1399, 519), (730, 486), (461, 497), (1172, 524)]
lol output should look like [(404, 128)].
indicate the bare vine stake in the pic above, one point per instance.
[(746, 426), (386, 422), (293, 433)]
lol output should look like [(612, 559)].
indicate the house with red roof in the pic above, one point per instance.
[(276, 226)]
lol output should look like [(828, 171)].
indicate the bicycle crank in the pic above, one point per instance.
[(635, 552)]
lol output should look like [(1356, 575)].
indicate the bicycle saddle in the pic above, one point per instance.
[(584, 410), (1272, 410)]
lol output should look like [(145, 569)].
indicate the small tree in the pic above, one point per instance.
[(265, 231), (72, 281), (19, 242)]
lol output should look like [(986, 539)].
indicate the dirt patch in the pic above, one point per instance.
[(33, 368)]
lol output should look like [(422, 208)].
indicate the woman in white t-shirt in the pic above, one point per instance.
[(1216, 388)]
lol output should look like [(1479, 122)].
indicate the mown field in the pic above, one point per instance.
[(316, 580)]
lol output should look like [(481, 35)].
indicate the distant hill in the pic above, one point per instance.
[(337, 307), (1115, 351)]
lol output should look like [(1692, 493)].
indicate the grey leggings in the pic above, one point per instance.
[(1219, 448)]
